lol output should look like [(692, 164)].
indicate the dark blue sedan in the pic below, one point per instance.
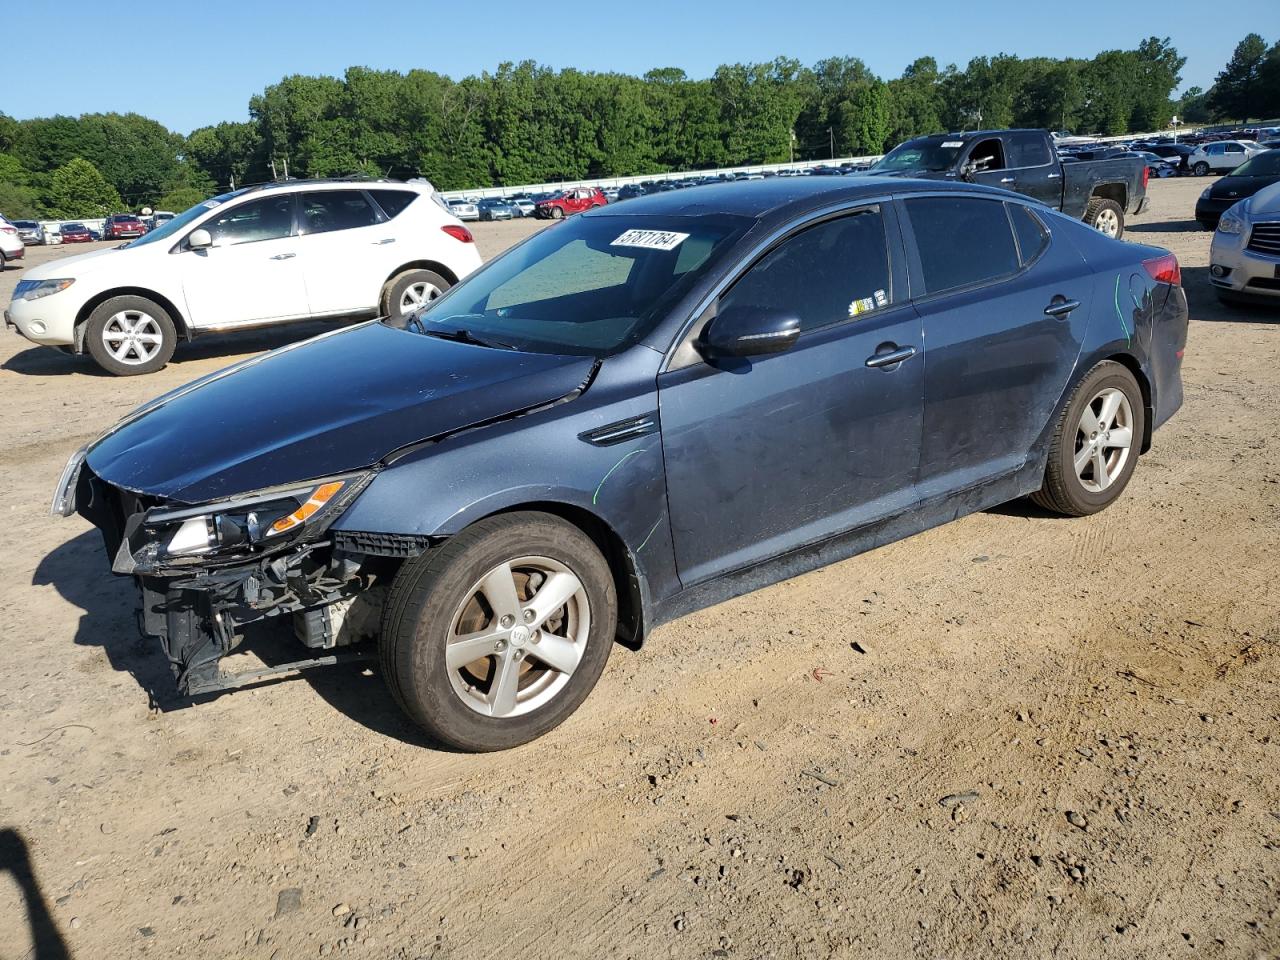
[(637, 413)]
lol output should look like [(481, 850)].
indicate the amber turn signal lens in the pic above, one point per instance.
[(319, 497)]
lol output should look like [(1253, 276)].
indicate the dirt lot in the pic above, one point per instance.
[(776, 776)]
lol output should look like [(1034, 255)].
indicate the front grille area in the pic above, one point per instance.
[(1265, 238)]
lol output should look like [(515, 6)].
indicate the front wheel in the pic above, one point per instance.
[(557, 213), (1201, 169), (1095, 445), (130, 335), (496, 637)]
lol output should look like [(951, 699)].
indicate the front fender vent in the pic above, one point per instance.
[(622, 430), (381, 544)]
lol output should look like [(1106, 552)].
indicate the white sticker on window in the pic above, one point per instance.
[(651, 239), (953, 143), (882, 298)]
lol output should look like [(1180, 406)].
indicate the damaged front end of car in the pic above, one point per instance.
[(205, 571)]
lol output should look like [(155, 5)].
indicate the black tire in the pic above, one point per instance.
[(1201, 169), (557, 213), (3, 262), (419, 614), (1063, 491), (1208, 225), (1101, 208), (97, 326), (393, 293)]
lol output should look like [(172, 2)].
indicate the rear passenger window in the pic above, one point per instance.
[(329, 210), (827, 273), (393, 202), (961, 241), (1028, 150), (1031, 234)]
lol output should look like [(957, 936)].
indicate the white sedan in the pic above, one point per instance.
[(259, 256)]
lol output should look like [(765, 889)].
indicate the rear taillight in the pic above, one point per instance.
[(458, 232), (1146, 175), (9, 229), (1164, 270)]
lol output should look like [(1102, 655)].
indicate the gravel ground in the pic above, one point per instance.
[(1011, 736)]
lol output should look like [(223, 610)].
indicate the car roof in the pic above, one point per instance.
[(778, 196)]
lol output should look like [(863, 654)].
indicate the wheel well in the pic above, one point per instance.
[(1145, 386), (431, 265), (1112, 191), (93, 302), (626, 584)]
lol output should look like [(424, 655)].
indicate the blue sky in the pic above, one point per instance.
[(199, 63)]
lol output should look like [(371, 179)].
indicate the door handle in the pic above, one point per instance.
[(378, 243), (1007, 179), (891, 356), (284, 256), (1060, 306), (1054, 176)]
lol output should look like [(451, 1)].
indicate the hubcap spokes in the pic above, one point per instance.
[(1107, 223), (1103, 440), (418, 295), (518, 636), (132, 337)]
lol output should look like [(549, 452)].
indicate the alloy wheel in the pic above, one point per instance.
[(1104, 439), (1107, 223), (418, 295), (517, 636), (132, 337)]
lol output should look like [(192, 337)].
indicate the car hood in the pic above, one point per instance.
[(1266, 202), (1236, 188), (77, 266), (333, 404)]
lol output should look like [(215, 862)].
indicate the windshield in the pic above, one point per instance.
[(72, 226), (589, 286), (932, 155), (1262, 165), (169, 228)]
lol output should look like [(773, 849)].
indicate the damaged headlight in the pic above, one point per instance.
[(244, 525)]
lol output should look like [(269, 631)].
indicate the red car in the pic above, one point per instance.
[(75, 233), (119, 226), (569, 202)]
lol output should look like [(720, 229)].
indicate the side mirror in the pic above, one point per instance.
[(199, 240), (750, 332)]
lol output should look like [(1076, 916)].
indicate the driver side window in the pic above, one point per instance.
[(270, 218), (987, 155)]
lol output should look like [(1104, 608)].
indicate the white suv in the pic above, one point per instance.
[(1221, 156), (259, 256)]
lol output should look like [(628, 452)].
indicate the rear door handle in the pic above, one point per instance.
[(284, 256), (890, 355), (1054, 176), (1060, 306), (378, 243), (1007, 179)]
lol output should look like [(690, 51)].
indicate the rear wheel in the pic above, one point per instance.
[(496, 637), (130, 335), (410, 291), (3, 262), (1105, 216), (1201, 169), (1095, 445)]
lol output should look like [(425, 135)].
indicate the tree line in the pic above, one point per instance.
[(526, 123)]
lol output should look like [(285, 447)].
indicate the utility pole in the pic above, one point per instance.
[(832, 135), (793, 144), (274, 175), (286, 168)]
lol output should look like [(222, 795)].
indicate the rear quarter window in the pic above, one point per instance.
[(961, 241), (1030, 232), (393, 202)]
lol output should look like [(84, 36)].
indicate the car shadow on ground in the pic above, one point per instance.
[(50, 361), (1165, 226), (15, 860), (79, 571)]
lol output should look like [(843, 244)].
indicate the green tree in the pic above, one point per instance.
[(181, 198), (1269, 83), (1237, 92), (77, 189)]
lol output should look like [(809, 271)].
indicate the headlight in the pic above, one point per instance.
[(1204, 194), (242, 526), (1230, 223), (35, 289)]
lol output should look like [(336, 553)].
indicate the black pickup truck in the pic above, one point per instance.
[(1099, 192)]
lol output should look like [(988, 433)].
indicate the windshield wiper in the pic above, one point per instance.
[(462, 335)]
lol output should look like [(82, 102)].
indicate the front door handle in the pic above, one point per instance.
[(378, 243), (1059, 307), (1007, 179), (1054, 176), (284, 256), (890, 355)]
